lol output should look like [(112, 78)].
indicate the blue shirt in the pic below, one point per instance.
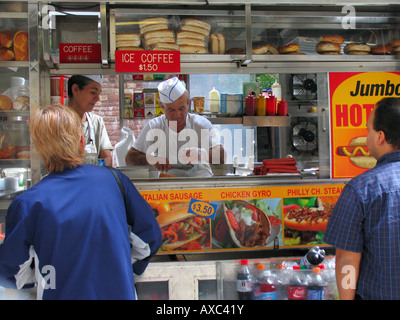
[(74, 226), (366, 219)]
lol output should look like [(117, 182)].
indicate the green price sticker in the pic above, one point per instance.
[(202, 208)]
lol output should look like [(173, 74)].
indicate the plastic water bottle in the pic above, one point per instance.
[(244, 278), (282, 281), (257, 282), (313, 258), (268, 286), (297, 287), (316, 285)]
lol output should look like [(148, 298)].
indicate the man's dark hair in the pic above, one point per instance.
[(387, 119), (81, 81)]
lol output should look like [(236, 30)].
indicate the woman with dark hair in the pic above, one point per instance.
[(83, 94)]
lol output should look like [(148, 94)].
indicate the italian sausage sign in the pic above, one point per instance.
[(353, 95)]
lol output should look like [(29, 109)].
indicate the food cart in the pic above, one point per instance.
[(329, 91)]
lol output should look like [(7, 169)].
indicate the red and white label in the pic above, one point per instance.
[(147, 61), (80, 52)]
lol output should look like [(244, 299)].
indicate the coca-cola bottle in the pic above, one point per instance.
[(297, 287), (244, 282)]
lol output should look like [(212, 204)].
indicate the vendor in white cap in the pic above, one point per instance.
[(177, 142), (83, 94)]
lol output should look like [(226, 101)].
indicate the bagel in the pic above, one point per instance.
[(382, 49), (327, 47), (266, 49), (289, 48), (395, 43), (333, 39), (357, 47)]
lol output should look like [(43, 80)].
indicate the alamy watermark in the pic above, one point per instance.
[(349, 21), (194, 147)]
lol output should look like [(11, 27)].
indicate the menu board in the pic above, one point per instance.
[(353, 95), (229, 219)]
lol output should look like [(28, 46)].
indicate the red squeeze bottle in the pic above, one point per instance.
[(282, 108)]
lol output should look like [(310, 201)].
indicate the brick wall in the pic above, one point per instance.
[(108, 108)]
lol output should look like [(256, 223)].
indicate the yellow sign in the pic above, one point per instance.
[(353, 95)]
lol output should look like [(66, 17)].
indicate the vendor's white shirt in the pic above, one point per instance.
[(158, 139)]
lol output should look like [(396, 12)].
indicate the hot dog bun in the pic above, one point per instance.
[(358, 153)]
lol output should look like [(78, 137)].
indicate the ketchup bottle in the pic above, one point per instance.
[(250, 105), (282, 108)]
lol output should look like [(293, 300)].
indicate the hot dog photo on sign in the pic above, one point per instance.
[(305, 219), (358, 153)]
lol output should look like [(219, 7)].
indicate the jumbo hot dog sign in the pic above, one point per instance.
[(353, 95)]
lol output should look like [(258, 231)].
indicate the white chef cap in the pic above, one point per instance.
[(97, 78), (171, 90)]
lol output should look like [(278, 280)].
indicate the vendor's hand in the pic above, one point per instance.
[(193, 155), (160, 163)]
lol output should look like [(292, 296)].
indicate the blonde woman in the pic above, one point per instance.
[(73, 223)]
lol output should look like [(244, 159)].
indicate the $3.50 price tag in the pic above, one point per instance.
[(202, 208)]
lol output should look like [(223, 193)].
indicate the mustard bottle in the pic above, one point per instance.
[(261, 105)]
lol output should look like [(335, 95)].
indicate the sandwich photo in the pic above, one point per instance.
[(358, 153), (305, 219), (182, 230), (248, 225)]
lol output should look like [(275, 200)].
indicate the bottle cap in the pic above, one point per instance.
[(296, 267), (260, 266), (316, 270), (244, 262), (321, 266)]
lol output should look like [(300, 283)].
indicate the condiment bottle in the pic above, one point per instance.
[(282, 108), (271, 105), (250, 105), (214, 100), (261, 105), (277, 91)]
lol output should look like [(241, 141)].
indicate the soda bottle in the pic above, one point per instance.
[(316, 285), (244, 282), (257, 282), (297, 287), (268, 286), (313, 258)]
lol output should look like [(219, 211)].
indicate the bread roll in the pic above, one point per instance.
[(159, 34), (289, 48), (166, 47), (21, 103), (191, 35), (6, 54), (154, 27), (127, 43), (357, 48), (152, 21), (5, 103), (382, 49), (204, 32), (197, 23), (333, 39), (6, 38), (327, 47), (266, 49), (152, 42), (21, 46)]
